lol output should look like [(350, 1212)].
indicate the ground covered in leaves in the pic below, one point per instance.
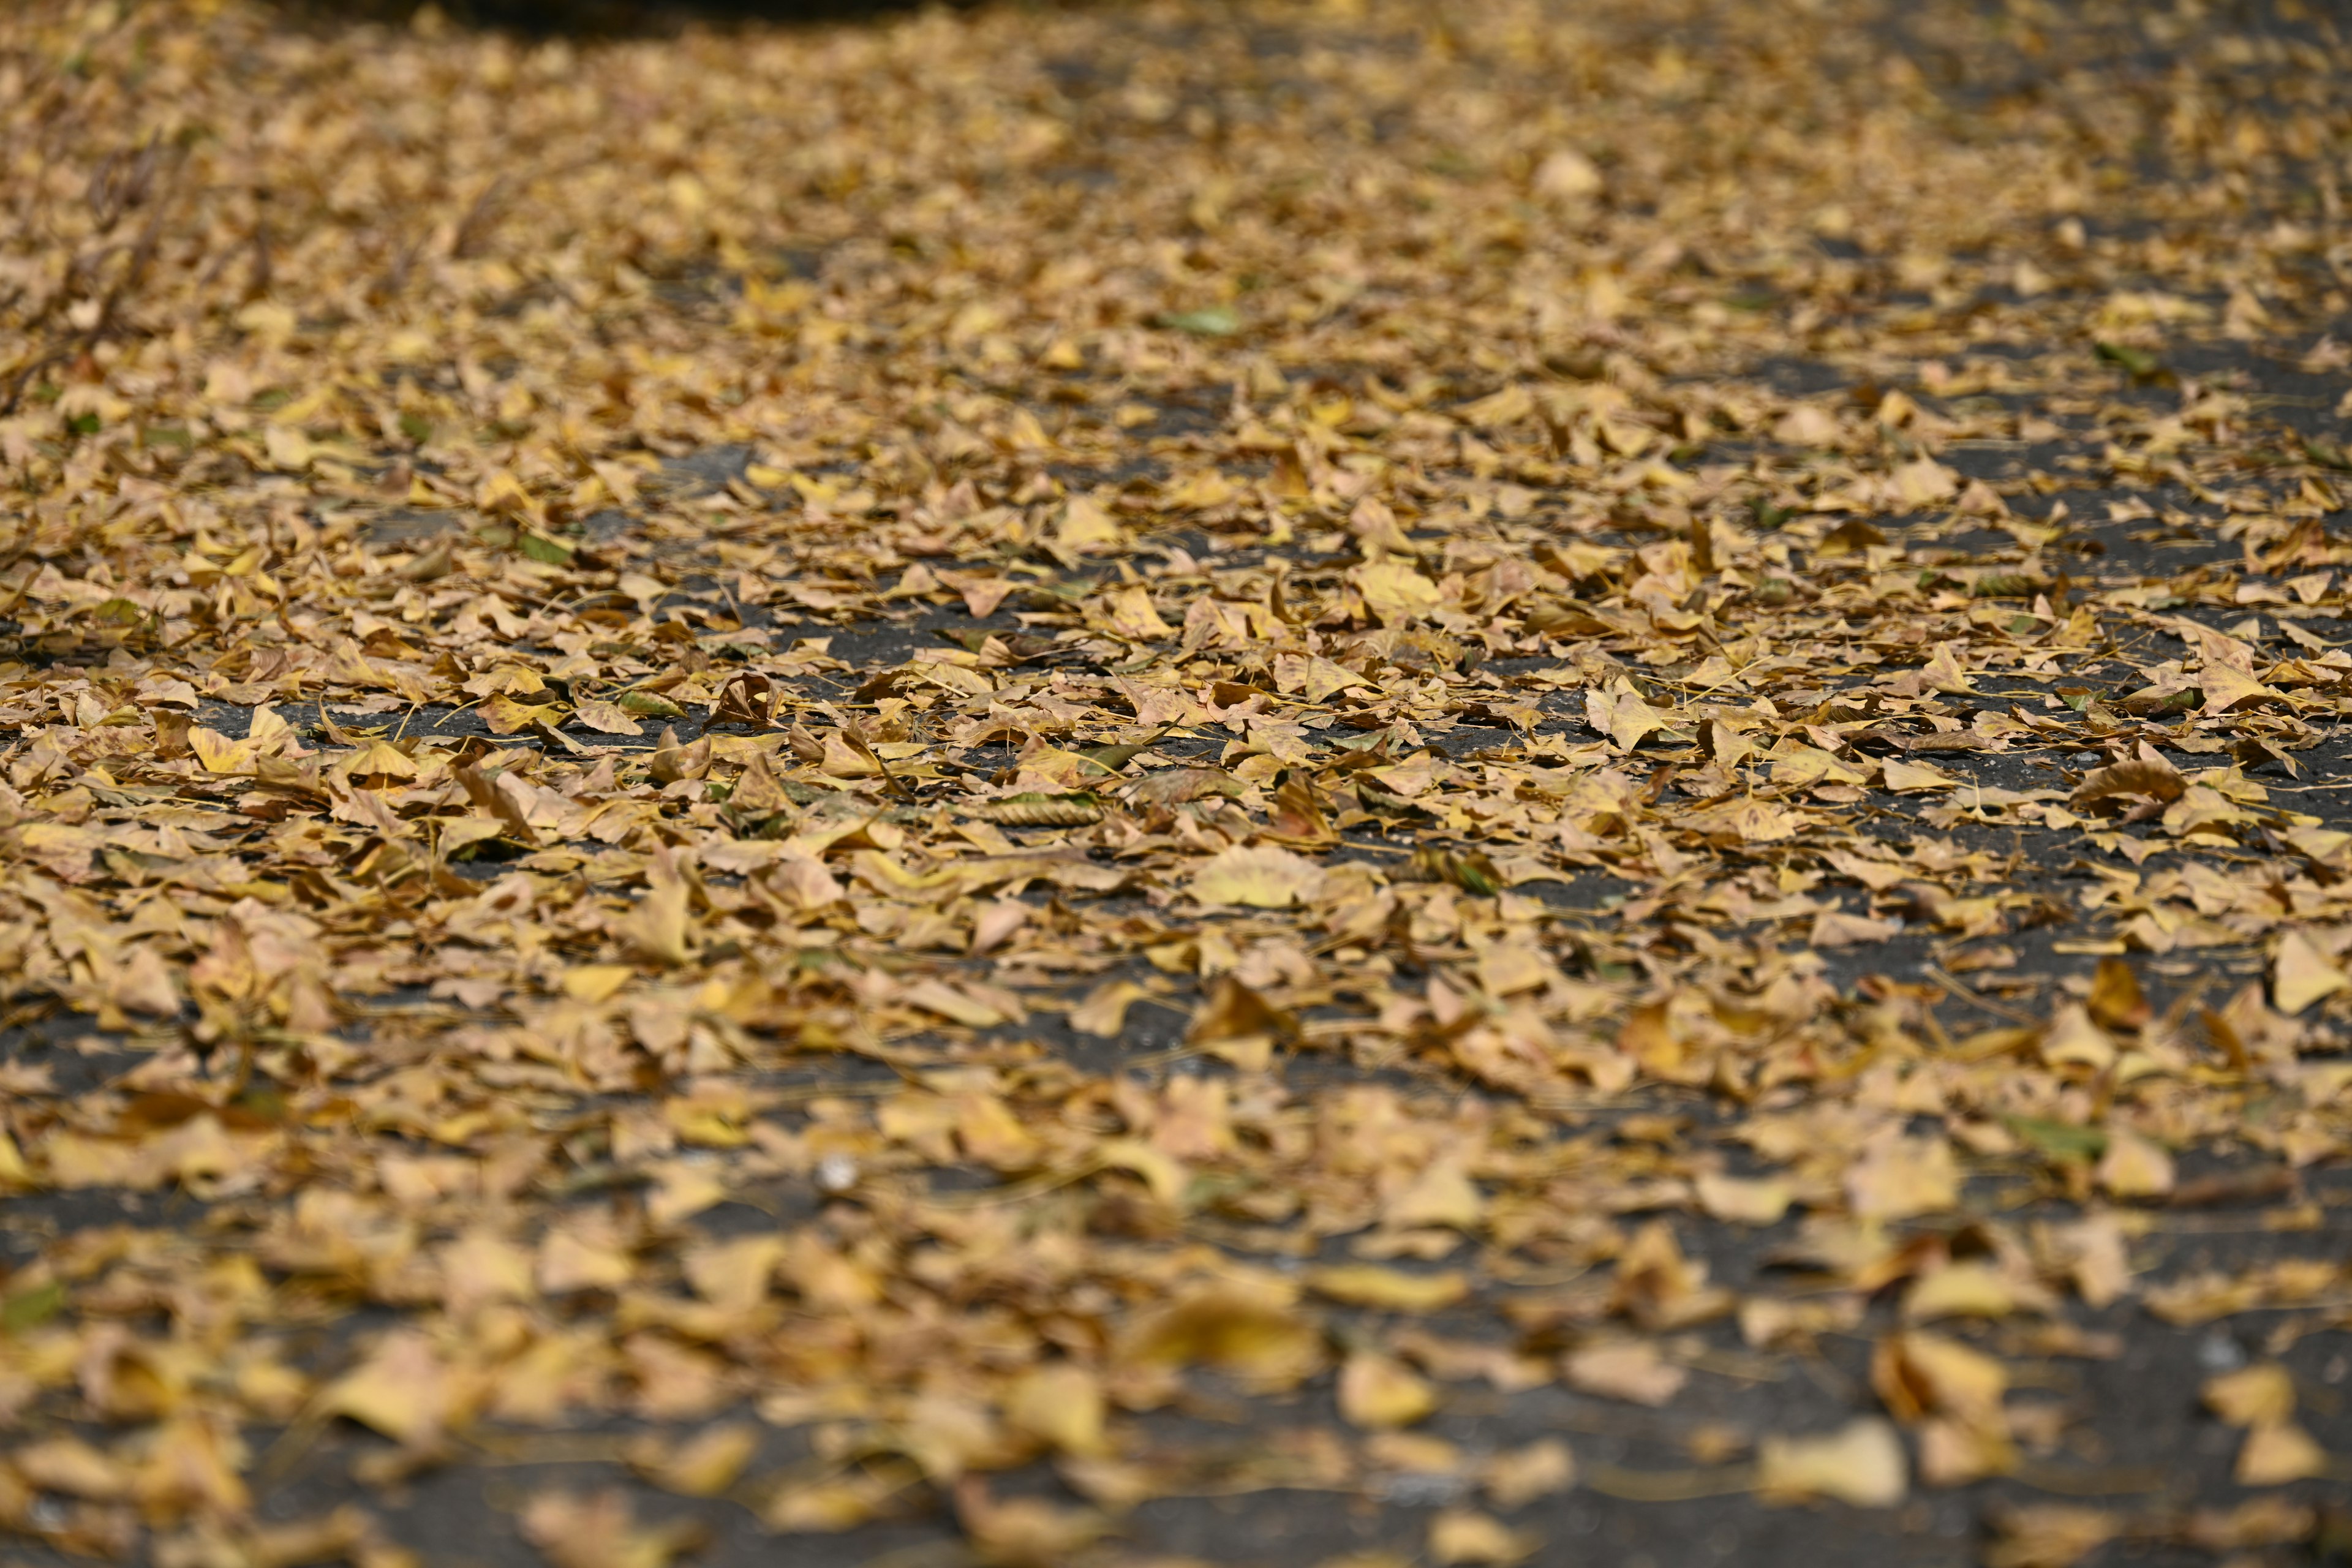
[(1192, 782)]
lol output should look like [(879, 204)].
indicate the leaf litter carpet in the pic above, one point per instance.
[(1348, 783)]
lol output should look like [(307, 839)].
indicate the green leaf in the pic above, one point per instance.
[(2142, 364), (31, 1309), (540, 547), (2327, 456), (2059, 1140), (1213, 322), (650, 705)]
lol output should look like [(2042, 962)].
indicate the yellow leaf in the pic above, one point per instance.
[(595, 982), (1026, 1531), (1461, 1536), (1254, 1333), (937, 997), (658, 927), (1759, 1201), (1263, 877), (1861, 1463), (1918, 1375), (1944, 673), (1972, 1288), (1910, 778), (1898, 1177), (2262, 1394), (993, 1135), (1568, 174), (1630, 1369), (1835, 928), (574, 1532), (829, 1506), (2226, 689), (2302, 975), (1622, 715), (2134, 1168), (606, 717), (704, 1465), (1388, 1289), (1085, 526), (1060, 1404), (2273, 1455), (1923, 481), (2117, 1002), (2051, 1535), (1132, 616), (1160, 1173), (1394, 591), (1517, 1476), (1443, 1195), (383, 760), (1104, 1011), (1379, 1391), (403, 1390), (2074, 1040), (577, 1259)]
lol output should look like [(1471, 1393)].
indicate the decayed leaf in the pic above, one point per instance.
[(2150, 778), (1238, 1024), (1034, 809), (2116, 1001)]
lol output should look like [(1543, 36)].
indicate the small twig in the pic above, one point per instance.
[(461, 243), (849, 732), (1998, 1010), (1670, 1485)]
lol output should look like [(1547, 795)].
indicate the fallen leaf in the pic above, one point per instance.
[(1630, 1369), (1460, 1536), (1263, 877), (1861, 1464), (2302, 975)]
